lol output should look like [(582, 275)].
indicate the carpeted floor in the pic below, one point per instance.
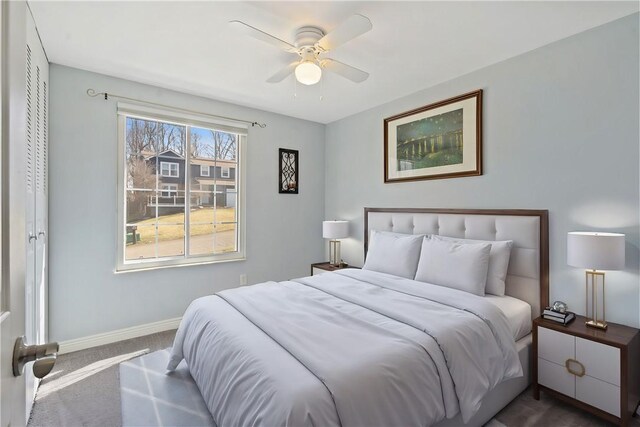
[(84, 390), (84, 387)]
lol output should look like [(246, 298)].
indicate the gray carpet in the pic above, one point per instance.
[(84, 390), (84, 387), (525, 411)]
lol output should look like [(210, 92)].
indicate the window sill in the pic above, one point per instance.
[(149, 266)]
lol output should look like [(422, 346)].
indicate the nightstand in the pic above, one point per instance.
[(324, 267), (597, 371)]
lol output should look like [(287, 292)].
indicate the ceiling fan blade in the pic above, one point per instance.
[(346, 71), (347, 30), (280, 75), (261, 35)]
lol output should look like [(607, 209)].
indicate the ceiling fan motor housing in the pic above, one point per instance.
[(308, 36)]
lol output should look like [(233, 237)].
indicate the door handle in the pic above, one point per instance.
[(44, 356), (41, 233), (42, 367), (32, 237)]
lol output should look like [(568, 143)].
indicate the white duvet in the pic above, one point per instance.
[(351, 348)]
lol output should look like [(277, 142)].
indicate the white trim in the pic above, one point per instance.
[(169, 189), (170, 164), (173, 115), (187, 195), (118, 335), (123, 265), (205, 168), (225, 175)]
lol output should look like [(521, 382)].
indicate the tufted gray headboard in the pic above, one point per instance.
[(528, 273)]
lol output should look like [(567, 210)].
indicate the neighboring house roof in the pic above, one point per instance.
[(170, 154), (204, 161), (148, 155)]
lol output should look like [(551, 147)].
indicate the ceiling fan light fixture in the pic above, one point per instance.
[(308, 73)]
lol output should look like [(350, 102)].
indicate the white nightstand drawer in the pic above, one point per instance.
[(598, 393), (555, 346), (556, 377), (315, 271), (600, 361)]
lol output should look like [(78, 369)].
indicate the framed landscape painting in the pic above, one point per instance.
[(440, 140)]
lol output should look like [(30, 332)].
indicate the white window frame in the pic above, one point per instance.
[(171, 169), (204, 168), (170, 190), (222, 170), (188, 119)]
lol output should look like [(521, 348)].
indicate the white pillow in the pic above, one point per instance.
[(454, 265), (498, 261), (393, 253)]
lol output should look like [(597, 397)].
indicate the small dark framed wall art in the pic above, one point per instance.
[(288, 171)]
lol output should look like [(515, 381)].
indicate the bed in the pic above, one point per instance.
[(362, 347)]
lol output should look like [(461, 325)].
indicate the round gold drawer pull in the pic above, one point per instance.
[(572, 364)]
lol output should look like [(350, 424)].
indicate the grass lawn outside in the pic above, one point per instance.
[(201, 224)]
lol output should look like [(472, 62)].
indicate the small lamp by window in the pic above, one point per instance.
[(595, 251), (335, 230)]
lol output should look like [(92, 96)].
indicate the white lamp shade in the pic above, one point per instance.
[(595, 250), (308, 73), (335, 229)]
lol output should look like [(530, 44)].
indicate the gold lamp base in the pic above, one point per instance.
[(596, 324), (595, 309), (334, 253)]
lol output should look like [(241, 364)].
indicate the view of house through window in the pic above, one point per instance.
[(181, 190)]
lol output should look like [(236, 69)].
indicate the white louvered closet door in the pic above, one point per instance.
[(37, 87)]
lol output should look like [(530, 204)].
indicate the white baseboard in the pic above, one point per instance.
[(119, 335)]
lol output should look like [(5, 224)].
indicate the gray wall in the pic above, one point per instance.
[(560, 133), (86, 296)]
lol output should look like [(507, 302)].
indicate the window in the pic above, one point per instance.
[(169, 169), (168, 213), (224, 172), (170, 190)]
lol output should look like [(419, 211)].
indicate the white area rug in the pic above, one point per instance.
[(151, 397)]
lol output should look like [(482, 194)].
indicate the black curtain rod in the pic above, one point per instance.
[(92, 93)]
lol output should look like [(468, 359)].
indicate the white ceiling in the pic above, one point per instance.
[(188, 46)]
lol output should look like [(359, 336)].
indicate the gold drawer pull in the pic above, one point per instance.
[(572, 362)]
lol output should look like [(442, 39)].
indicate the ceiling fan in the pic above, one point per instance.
[(311, 45)]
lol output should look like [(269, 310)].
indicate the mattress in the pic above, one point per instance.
[(517, 311), (352, 347)]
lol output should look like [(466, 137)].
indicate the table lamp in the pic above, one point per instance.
[(335, 230), (595, 251)]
